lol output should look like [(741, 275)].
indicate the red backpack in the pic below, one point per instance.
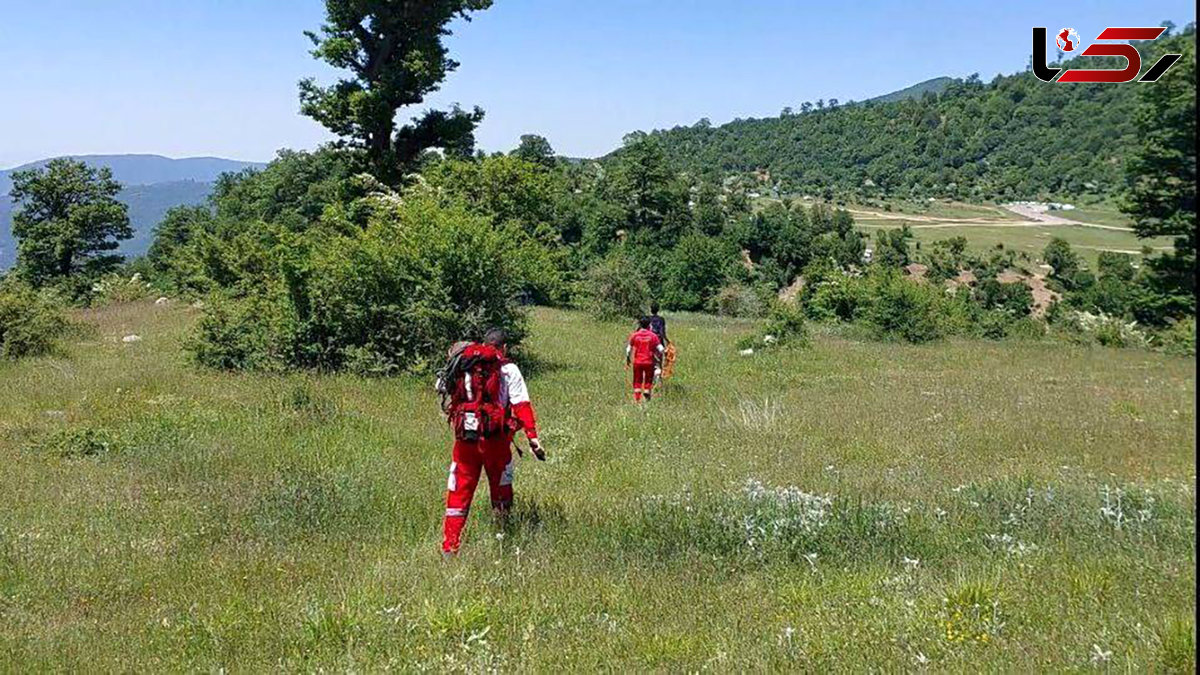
[(469, 385)]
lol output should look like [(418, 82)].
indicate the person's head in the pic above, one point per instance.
[(644, 322), (654, 307), (495, 337)]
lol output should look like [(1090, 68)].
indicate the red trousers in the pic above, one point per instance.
[(643, 380), (470, 458)]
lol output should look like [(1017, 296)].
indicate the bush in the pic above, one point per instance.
[(387, 298), (238, 335), (1180, 338), (613, 289), (696, 270), (785, 326), (837, 297), (738, 300), (118, 288), (30, 322), (904, 309), (1108, 331)]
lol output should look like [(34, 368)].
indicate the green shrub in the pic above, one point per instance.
[(80, 443), (1027, 328), (903, 309), (695, 270), (119, 288), (385, 298), (613, 289), (785, 326), (837, 298), (30, 322), (1104, 330), (1180, 338), (237, 335), (738, 300)]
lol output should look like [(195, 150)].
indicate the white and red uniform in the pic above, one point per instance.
[(644, 349), (492, 455)]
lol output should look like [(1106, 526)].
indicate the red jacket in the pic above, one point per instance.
[(644, 347)]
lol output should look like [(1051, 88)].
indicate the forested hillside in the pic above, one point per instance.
[(1015, 137)]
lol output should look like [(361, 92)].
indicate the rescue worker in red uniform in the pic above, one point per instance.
[(643, 351), (491, 454)]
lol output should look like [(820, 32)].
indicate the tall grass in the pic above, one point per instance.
[(849, 506)]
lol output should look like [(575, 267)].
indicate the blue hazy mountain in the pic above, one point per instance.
[(153, 185)]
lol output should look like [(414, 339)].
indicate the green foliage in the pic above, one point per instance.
[(1179, 338), (30, 322), (891, 247), (67, 222), (696, 270), (1161, 175), (653, 197), (535, 149), (80, 443), (239, 335), (738, 300), (835, 297), (903, 309), (614, 289), (1058, 255), (945, 258), (1104, 330), (1012, 300), (396, 57), (178, 228), (785, 326), (384, 299), (970, 140), (119, 287), (1115, 265)]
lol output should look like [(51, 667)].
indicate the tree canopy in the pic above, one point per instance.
[(67, 222), (394, 52)]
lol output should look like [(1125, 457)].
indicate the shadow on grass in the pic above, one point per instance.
[(530, 517), (533, 365)]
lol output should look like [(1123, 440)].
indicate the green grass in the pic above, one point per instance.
[(1088, 242), (764, 515), (939, 209), (1099, 214)]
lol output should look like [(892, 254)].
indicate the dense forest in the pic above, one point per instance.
[(1011, 138)]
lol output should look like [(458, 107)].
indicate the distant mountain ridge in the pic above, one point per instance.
[(153, 185), (934, 86)]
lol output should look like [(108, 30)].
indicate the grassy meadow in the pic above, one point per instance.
[(854, 505), (1088, 242)]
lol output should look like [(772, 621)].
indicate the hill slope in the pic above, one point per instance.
[(153, 184), (1016, 137), (934, 86)]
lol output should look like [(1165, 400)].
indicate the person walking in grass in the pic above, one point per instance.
[(659, 325), (486, 402), (643, 352)]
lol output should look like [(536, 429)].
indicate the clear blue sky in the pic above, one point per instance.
[(218, 77)]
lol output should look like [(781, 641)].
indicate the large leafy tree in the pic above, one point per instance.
[(535, 149), (395, 55), (1161, 174), (654, 198), (67, 221)]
